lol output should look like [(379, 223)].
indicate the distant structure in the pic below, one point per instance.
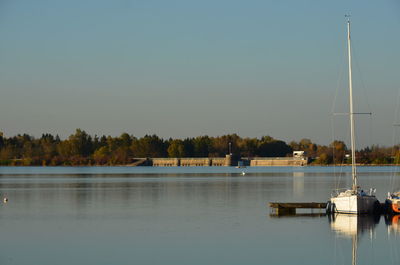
[(298, 159), (278, 161), (298, 154), (227, 161)]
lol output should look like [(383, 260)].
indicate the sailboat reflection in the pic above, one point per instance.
[(393, 224), (353, 226)]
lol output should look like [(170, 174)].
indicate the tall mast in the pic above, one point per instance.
[(352, 136)]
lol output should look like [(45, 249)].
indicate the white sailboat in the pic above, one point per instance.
[(353, 200)]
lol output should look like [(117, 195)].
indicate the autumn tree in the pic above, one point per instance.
[(269, 147), (176, 148), (149, 146), (201, 146)]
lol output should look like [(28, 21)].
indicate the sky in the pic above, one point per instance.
[(184, 68)]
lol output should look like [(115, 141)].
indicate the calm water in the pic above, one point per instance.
[(199, 215)]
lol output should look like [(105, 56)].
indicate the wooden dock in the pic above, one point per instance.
[(289, 208)]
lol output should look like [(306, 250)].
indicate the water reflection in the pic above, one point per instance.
[(393, 224), (353, 226), (158, 216), (92, 195), (298, 183)]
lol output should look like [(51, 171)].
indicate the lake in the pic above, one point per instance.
[(187, 215)]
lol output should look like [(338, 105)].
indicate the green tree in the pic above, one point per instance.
[(176, 148), (1, 140), (149, 146), (323, 159), (80, 143), (125, 140), (101, 155), (220, 145), (270, 147), (189, 147), (339, 151), (248, 147), (201, 146)]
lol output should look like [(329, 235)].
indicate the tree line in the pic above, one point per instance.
[(81, 149)]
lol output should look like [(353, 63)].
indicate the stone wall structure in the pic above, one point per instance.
[(228, 160), (193, 161), (278, 161)]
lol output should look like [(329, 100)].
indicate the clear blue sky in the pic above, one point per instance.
[(183, 68)]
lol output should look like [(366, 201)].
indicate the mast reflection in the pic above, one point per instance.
[(353, 226)]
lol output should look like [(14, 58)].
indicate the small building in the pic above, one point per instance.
[(298, 154)]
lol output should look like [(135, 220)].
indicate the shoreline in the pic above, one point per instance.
[(125, 165)]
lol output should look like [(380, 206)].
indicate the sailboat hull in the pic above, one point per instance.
[(355, 204)]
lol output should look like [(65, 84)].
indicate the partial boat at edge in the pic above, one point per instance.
[(393, 202)]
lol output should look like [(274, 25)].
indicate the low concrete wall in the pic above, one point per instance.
[(196, 162), (220, 161), (192, 161), (278, 161), (226, 161), (165, 162)]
